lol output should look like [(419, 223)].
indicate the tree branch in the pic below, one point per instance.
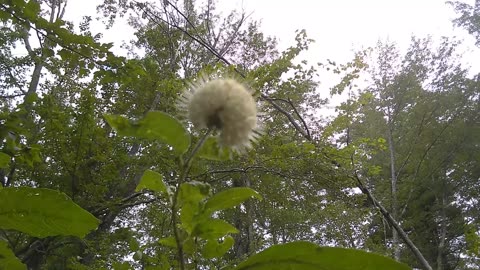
[(416, 252)]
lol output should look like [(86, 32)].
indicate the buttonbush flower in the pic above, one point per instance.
[(226, 106)]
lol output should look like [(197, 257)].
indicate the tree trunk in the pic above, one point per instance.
[(442, 233), (394, 205)]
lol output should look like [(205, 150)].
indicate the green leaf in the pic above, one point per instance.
[(213, 229), (189, 197), (4, 160), (193, 192), (8, 260), (121, 266), (168, 242), (138, 255), (153, 181), (156, 126), (214, 249), (43, 212), (308, 256), (230, 198), (133, 244), (211, 150)]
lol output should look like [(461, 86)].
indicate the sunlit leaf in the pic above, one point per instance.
[(230, 198), (308, 256), (155, 126), (43, 212)]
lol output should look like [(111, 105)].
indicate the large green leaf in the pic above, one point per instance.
[(212, 151), (153, 181), (156, 126), (43, 212), (8, 260), (230, 198), (308, 256)]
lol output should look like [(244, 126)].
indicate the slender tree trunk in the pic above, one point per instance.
[(244, 240), (442, 233), (394, 206)]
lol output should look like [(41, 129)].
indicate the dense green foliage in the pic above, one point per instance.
[(99, 169)]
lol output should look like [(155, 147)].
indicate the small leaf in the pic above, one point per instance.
[(193, 192), (211, 150), (213, 229), (137, 255), (156, 126), (308, 256), (189, 245), (121, 266), (214, 249), (153, 181), (229, 198), (133, 244), (8, 260), (4, 160), (43, 212)]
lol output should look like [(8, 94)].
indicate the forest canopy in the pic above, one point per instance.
[(206, 147)]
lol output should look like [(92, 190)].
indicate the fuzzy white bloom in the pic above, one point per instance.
[(225, 105)]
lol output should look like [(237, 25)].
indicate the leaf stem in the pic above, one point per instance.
[(185, 165)]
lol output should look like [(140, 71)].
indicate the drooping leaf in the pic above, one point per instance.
[(8, 260), (213, 229), (155, 126), (308, 256), (43, 212), (153, 181), (214, 249), (4, 160), (230, 198), (211, 150)]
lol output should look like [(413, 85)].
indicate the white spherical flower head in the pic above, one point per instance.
[(225, 105)]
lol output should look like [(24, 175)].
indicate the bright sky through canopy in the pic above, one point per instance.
[(339, 27)]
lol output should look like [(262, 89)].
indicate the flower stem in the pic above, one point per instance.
[(185, 166)]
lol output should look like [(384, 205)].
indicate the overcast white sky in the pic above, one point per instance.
[(337, 26)]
